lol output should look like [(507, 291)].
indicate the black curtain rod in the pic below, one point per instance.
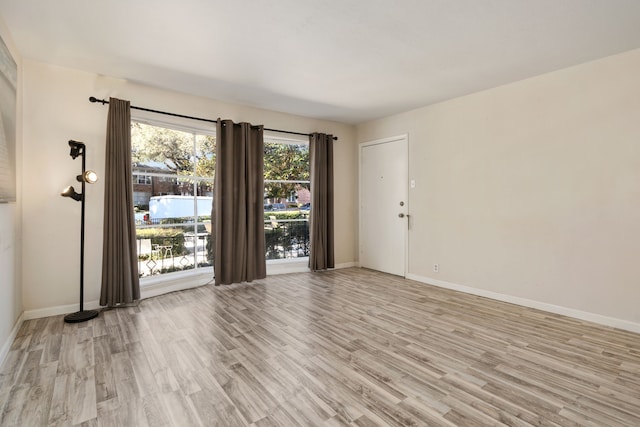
[(104, 101)]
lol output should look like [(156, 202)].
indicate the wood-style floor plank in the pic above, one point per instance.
[(348, 347)]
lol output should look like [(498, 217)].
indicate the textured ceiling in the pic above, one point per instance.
[(342, 60)]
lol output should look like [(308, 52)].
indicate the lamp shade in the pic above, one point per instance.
[(71, 192), (77, 148), (89, 177)]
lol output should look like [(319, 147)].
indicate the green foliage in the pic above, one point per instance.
[(287, 240), (206, 156), (286, 215), (173, 148), (285, 162)]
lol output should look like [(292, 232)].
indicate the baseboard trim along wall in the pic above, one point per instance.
[(155, 286), (346, 265), (147, 290), (4, 351), (59, 309), (284, 266), (556, 309)]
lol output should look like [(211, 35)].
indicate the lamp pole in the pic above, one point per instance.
[(82, 204), (78, 149)]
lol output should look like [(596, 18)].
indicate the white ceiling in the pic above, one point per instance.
[(344, 60)]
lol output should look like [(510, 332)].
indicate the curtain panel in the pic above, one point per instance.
[(321, 255), (120, 282), (238, 204)]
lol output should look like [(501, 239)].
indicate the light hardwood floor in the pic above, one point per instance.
[(345, 347)]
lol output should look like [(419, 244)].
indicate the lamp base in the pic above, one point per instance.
[(81, 316)]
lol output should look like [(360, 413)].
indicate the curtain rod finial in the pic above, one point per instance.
[(94, 99)]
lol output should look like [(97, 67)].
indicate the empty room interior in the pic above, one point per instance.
[(327, 213)]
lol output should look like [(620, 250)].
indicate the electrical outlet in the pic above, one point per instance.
[(435, 268)]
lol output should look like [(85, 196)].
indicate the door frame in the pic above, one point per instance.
[(405, 139)]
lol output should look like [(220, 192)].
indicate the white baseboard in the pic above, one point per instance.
[(148, 289), (298, 267), (346, 265), (285, 266), (551, 308), (162, 287), (4, 351), (155, 286), (59, 309)]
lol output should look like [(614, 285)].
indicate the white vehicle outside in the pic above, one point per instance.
[(163, 207)]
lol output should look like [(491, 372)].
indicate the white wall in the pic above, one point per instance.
[(10, 229), (56, 109), (532, 190)]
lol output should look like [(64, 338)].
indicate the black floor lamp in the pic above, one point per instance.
[(78, 149)]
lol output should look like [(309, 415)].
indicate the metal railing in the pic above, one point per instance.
[(166, 254), (286, 238), (174, 249)]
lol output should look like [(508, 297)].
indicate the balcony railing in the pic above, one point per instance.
[(162, 253), (286, 238), (166, 250)]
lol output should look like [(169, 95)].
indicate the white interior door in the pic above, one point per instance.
[(384, 205)]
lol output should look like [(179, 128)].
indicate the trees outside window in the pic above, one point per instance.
[(173, 178), (287, 189), (173, 202), (286, 169)]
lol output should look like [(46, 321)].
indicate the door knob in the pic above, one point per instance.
[(400, 215)]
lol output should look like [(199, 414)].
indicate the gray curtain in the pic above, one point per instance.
[(321, 255), (120, 283), (238, 204)]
